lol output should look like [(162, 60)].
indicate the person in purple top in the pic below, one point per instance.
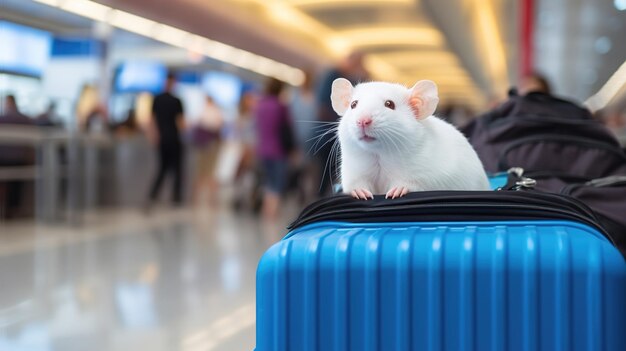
[(274, 143), (10, 114)]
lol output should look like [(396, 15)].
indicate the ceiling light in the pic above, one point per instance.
[(420, 58), (295, 75), (245, 59), (198, 44), (339, 43), (450, 72), (264, 66), (221, 51), (180, 38), (381, 69), (489, 33), (346, 3), (54, 3), (85, 8), (288, 17), (612, 87), (389, 36), (171, 35), (620, 4), (132, 23)]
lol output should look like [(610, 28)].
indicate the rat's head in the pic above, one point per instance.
[(378, 116)]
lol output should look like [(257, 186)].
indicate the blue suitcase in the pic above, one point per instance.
[(443, 271)]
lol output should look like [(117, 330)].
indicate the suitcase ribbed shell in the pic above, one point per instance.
[(431, 286)]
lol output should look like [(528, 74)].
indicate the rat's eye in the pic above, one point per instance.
[(353, 104), (390, 104)]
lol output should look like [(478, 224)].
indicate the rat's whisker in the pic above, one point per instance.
[(316, 143), (333, 138), (329, 131), (391, 137), (321, 126), (323, 133), (326, 167), (318, 122), (318, 131), (333, 162), (319, 139), (315, 137), (400, 146), (385, 143), (399, 139)]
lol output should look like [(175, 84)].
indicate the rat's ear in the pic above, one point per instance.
[(423, 99), (340, 95)]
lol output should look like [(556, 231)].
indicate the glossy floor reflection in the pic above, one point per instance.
[(174, 280)]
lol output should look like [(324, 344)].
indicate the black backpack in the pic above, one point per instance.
[(539, 132), (562, 148)]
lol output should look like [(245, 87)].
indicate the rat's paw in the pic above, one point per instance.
[(397, 191), (362, 194)]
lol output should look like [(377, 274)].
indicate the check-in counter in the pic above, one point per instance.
[(77, 172), (58, 166)]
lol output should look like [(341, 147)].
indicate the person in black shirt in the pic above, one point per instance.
[(167, 115)]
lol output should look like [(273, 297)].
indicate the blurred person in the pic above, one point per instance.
[(247, 177), (49, 117), (143, 110), (303, 110), (9, 105), (129, 126), (534, 83), (12, 114), (90, 112), (205, 138), (166, 123), (274, 128), (352, 68), (12, 191)]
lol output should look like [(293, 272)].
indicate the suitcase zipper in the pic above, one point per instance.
[(433, 206)]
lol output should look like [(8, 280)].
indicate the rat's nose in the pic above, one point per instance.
[(364, 122)]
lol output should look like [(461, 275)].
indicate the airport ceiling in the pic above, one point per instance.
[(401, 41), (468, 47)]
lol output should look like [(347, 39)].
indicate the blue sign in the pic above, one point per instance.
[(24, 50)]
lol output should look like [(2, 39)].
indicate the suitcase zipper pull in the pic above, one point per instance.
[(525, 183), (516, 180)]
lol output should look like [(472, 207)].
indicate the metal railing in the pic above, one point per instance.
[(64, 169)]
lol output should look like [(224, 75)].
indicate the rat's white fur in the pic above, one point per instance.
[(412, 151)]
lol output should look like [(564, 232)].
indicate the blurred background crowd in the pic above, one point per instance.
[(234, 127), (221, 109), (258, 140)]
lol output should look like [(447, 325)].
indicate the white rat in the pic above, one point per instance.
[(392, 144)]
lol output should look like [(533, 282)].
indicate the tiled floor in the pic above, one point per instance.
[(174, 280)]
